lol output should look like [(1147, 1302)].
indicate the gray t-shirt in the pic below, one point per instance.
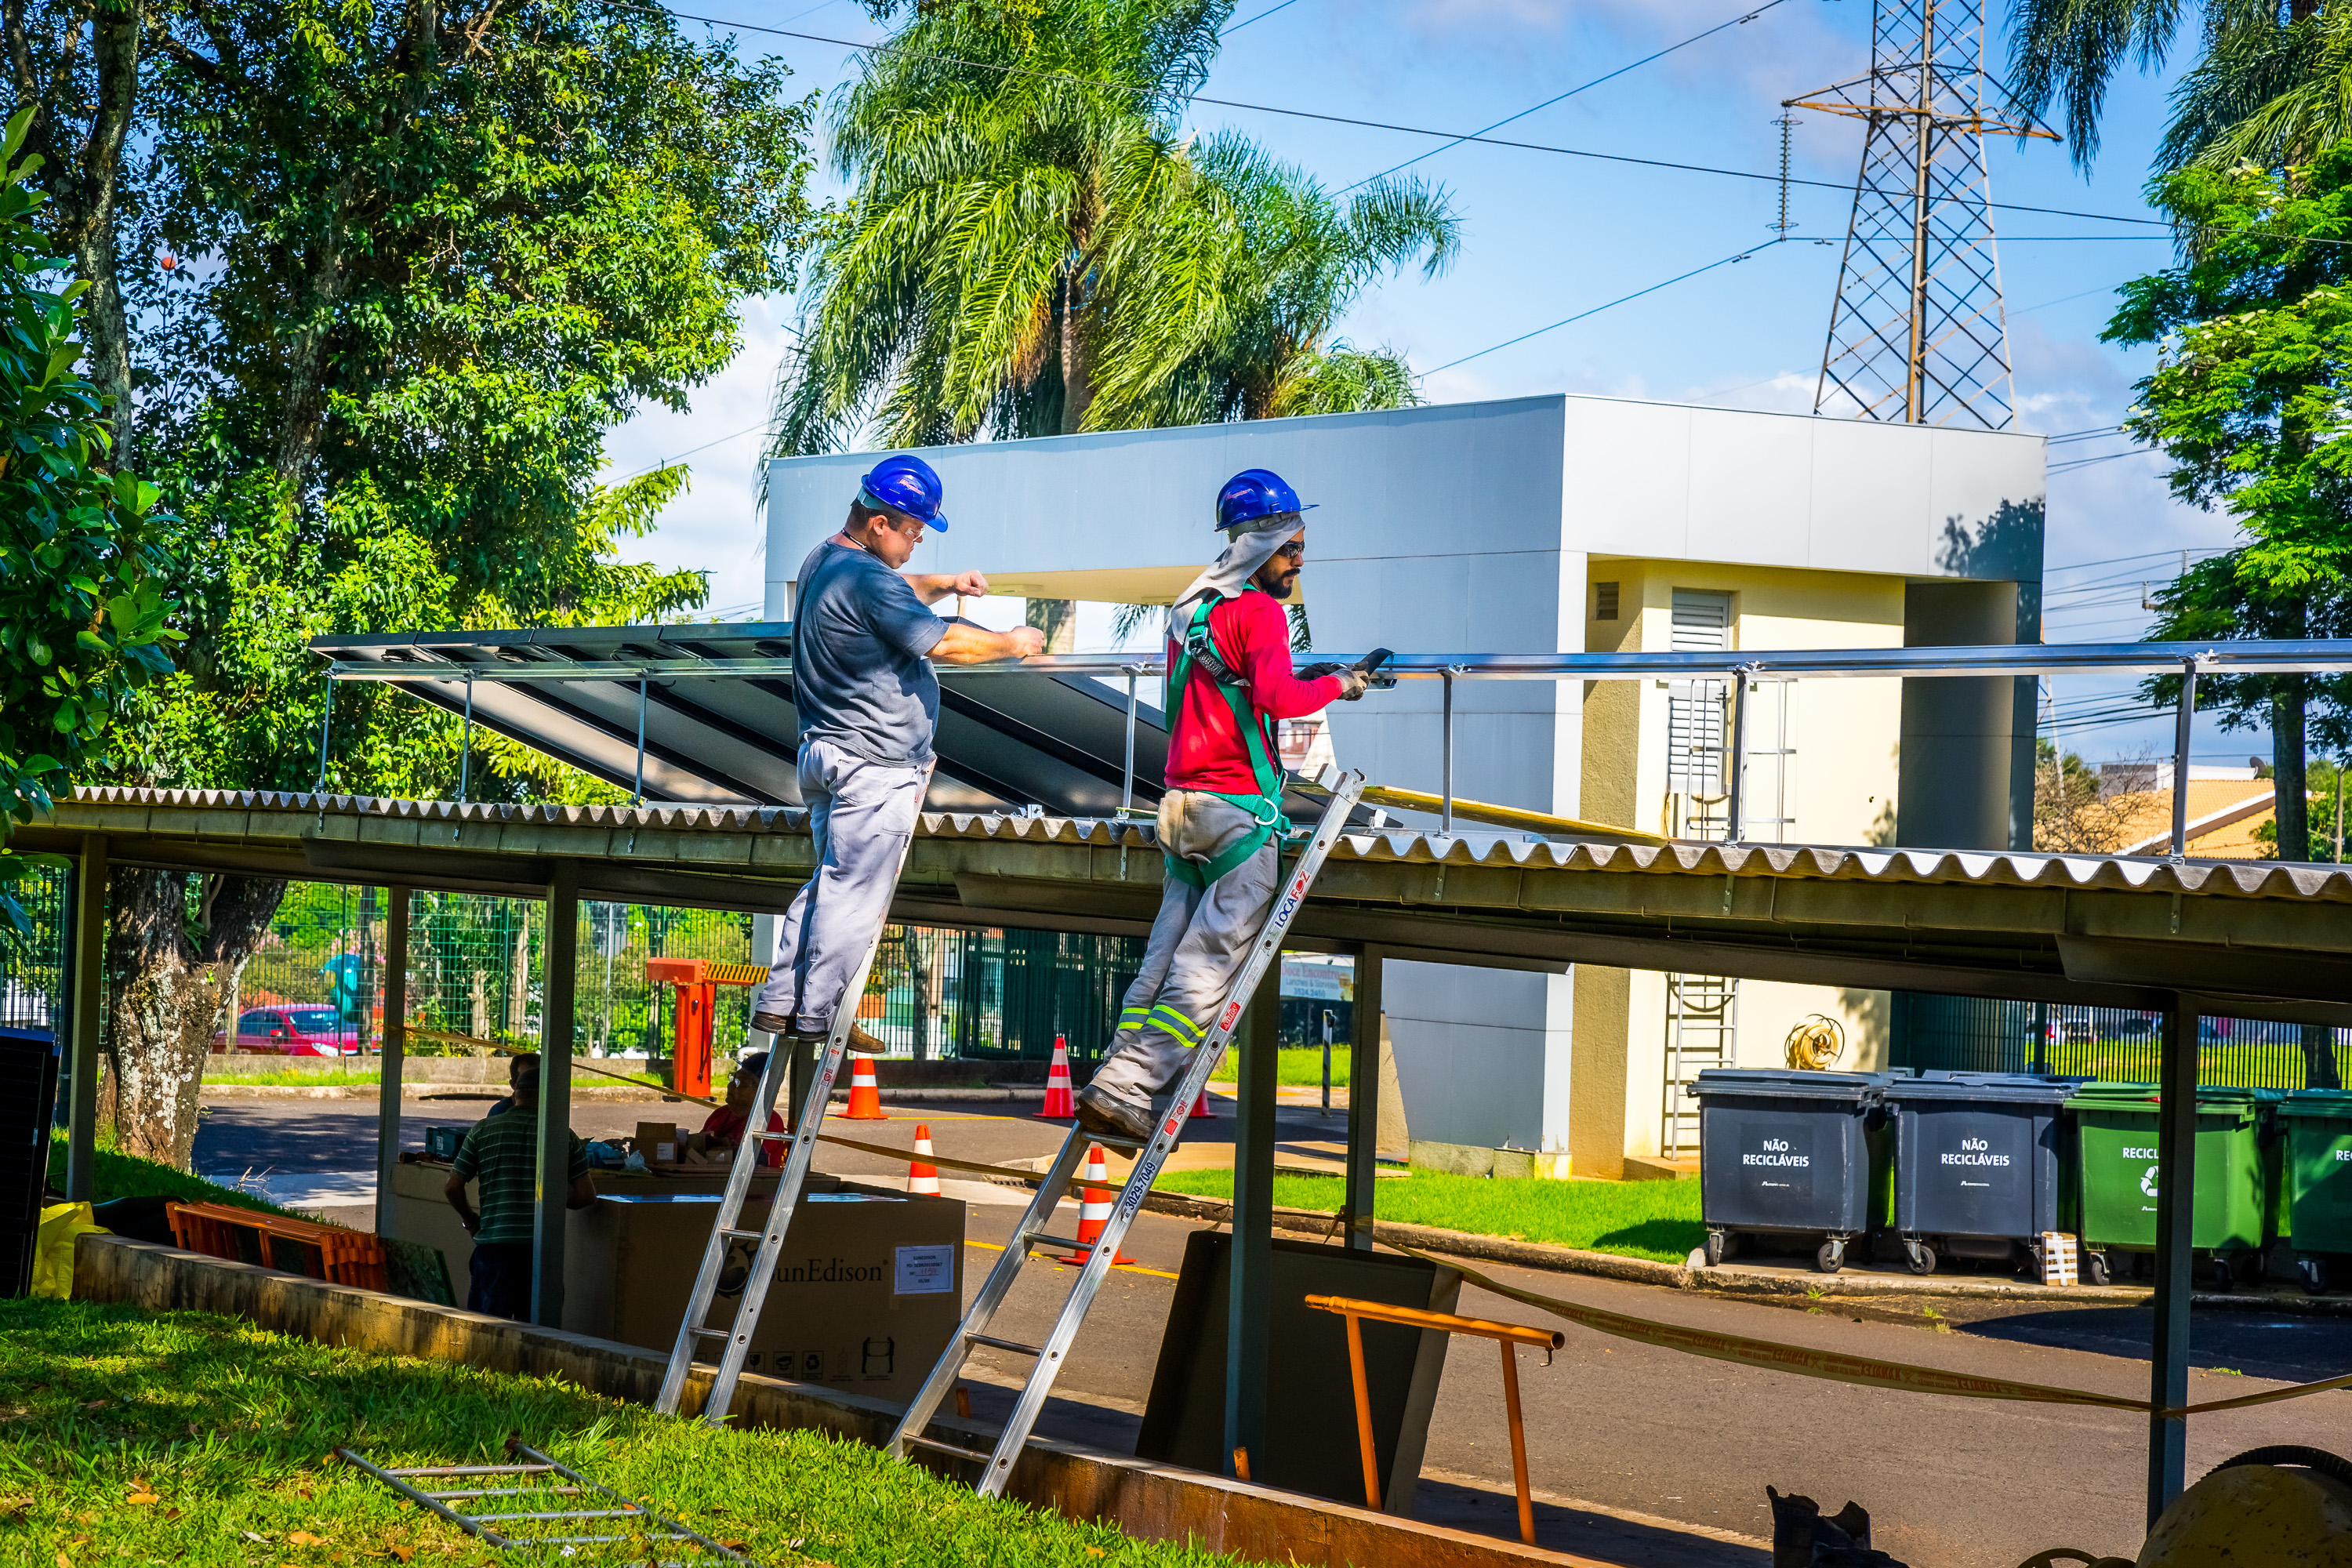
[(860, 679)]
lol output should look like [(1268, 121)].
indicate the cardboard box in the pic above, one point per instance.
[(867, 1291), (658, 1143)]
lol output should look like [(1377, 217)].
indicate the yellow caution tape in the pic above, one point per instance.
[(1008, 1171)]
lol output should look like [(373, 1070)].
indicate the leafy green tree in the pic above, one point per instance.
[(2270, 85), (82, 597), (1032, 247), (437, 255)]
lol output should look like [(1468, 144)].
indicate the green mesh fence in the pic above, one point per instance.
[(32, 968)]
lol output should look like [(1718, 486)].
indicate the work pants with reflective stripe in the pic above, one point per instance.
[(861, 814), (1199, 944)]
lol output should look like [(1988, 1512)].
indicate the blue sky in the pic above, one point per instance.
[(1546, 235)]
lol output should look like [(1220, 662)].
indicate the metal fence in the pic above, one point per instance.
[(33, 970), (2117, 1044)]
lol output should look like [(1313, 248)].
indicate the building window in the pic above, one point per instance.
[(1604, 601)]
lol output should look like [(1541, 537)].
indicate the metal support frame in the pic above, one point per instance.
[(1445, 819), (2176, 1164), (1735, 758), (560, 957), (1126, 774), (1357, 1206), (465, 747), (326, 728), (1249, 1299), (394, 1052), (640, 796), (87, 968), (2184, 719)]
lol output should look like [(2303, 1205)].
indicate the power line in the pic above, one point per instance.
[(1357, 120), (1261, 17), (1571, 92), (1596, 310)]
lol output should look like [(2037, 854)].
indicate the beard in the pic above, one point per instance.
[(1277, 585)]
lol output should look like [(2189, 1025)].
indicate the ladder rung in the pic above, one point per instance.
[(724, 1231), (475, 1471), (974, 1455), (1039, 1238), (772, 1137), (507, 1491), (713, 1333), (1014, 1345)]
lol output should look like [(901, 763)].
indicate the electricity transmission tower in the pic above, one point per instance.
[(1917, 333)]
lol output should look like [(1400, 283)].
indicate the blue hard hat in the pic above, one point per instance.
[(906, 485), (1253, 495)]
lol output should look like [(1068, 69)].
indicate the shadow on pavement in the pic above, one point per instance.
[(2288, 1348)]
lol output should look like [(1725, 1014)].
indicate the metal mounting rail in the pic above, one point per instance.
[(695, 1326), (540, 1532), (1031, 1233)]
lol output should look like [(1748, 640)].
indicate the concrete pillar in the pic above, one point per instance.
[(394, 1051), (559, 960), (87, 964), (1966, 779), (1249, 1302), (2176, 1168)]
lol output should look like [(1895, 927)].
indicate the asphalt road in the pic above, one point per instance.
[(1618, 1432)]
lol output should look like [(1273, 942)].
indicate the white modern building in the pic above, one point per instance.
[(1544, 524)]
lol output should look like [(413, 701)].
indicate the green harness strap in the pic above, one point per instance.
[(1266, 806)]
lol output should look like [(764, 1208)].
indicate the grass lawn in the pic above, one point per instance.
[(1297, 1065), (121, 1175), (183, 1438), (1657, 1220)]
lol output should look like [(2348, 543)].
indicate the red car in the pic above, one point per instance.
[(291, 1031)]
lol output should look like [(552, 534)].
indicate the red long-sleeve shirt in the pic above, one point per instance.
[(1207, 751)]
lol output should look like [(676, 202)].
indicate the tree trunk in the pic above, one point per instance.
[(1058, 619), (2288, 790), (164, 992), (1078, 366)]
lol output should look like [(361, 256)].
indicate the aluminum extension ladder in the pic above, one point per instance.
[(725, 1231), (1346, 789)]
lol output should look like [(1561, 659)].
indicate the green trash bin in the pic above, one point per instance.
[(2115, 1145), (2316, 1210)]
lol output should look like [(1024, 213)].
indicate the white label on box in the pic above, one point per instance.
[(925, 1271), (666, 1154)]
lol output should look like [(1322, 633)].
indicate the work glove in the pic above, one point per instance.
[(1318, 671), (1352, 684)]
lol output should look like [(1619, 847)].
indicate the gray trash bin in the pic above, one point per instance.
[(1979, 1162), (1786, 1153)]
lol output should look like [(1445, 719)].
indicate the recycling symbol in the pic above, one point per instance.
[(2148, 1181)]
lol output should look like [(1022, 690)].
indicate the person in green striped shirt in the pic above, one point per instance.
[(501, 1154)]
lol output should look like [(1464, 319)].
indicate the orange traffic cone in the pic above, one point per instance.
[(1059, 1100), (1200, 1106), (1094, 1207), (922, 1176), (864, 1094)]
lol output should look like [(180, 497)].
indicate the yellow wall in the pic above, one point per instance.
[(1841, 787)]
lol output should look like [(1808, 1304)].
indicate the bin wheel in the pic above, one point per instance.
[(2095, 1267), (2223, 1278), (1715, 1247), (2315, 1274), (1831, 1256), (1920, 1257)]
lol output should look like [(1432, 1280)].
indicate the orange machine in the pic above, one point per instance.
[(696, 982)]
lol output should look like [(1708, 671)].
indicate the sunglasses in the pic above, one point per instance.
[(1294, 551)]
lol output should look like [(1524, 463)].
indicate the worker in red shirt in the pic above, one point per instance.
[(1229, 678)]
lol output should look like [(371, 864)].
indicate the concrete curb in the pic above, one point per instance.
[(1728, 1279), (1139, 1497)]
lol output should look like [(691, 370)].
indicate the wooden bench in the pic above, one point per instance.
[(326, 1252)]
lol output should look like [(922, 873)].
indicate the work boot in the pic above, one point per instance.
[(1100, 1115), (771, 1022)]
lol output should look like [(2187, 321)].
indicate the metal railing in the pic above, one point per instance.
[(1744, 668)]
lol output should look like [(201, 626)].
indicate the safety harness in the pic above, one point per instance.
[(1197, 655)]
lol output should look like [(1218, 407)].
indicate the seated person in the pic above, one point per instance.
[(502, 1154), (724, 1129)]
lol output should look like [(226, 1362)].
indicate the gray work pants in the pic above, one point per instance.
[(861, 814), (1199, 944)]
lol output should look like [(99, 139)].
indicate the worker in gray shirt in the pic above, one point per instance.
[(863, 646)]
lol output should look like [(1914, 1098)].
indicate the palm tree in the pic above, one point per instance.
[(2273, 84), (1034, 248)]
